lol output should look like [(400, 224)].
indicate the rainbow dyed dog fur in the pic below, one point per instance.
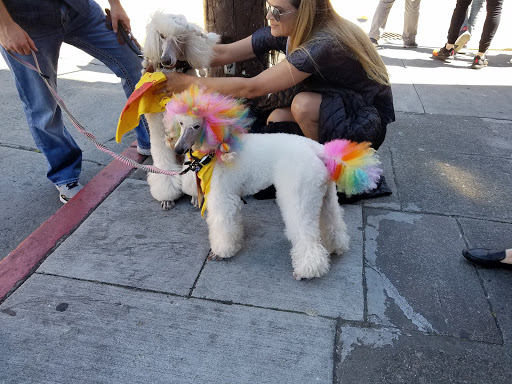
[(303, 172)]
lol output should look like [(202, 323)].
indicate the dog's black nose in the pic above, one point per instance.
[(179, 151)]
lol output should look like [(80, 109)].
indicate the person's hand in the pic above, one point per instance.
[(14, 38), (118, 13), (176, 83)]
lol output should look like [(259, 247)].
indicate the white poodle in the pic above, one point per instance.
[(301, 170), (172, 44)]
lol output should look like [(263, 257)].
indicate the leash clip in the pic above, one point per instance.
[(196, 164)]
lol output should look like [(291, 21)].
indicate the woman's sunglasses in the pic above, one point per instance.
[(276, 14)]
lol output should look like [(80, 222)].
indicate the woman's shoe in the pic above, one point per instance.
[(443, 54), (479, 62), (461, 41), (486, 257)]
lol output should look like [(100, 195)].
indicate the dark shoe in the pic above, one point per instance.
[(461, 41), (266, 194), (374, 42), (479, 62), (485, 257), (382, 189), (289, 127), (410, 44), (443, 54)]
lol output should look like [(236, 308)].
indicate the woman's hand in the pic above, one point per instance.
[(176, 83)]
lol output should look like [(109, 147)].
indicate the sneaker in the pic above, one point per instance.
[(67, 191), (461, 41), (479, 62), (144, 151), (374, 42), (410, 44), (443, 53)]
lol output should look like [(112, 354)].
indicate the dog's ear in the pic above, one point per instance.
[(152, 49), (199, 48), (171, 126)]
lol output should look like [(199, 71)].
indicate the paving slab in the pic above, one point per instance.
[(455, 184), (406, 99), (261, 273), (388, 355), (415, 134), (25, 190), (423, 284), (465, 170), (468, 100), (59, 330), (486, 233), (423, 85), (496, 283), (129, 240)]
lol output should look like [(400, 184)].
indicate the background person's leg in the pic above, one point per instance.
[(411, 16), (380, 18), (459, 13), (492, 21), (476, 7)]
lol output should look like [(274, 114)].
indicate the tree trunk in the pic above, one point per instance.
[(234, 20)]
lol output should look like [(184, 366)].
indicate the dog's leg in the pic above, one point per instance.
[(224, 223), (300, 206), (332, 225), (189, 186), (163, 188)]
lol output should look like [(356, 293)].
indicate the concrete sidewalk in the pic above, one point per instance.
[(124, 292)]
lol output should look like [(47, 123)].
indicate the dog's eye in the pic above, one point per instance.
[(196, 126), (181, 123), (162, 36)]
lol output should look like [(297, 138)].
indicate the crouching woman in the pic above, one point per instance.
[(339, 84)]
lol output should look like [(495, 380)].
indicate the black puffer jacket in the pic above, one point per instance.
[(353, 106)]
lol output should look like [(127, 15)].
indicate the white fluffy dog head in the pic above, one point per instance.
[(170, 38)]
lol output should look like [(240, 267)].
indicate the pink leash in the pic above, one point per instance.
[(82, 130)]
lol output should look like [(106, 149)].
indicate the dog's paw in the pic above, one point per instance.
[(300, 276), (311, 271), (213, 256), (195, 201), (167, 204)]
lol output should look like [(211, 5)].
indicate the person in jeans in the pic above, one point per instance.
[(411, 15), (469, 23), (492, 21), (42, 26)]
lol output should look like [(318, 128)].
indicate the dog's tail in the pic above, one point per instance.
[(354, 167)]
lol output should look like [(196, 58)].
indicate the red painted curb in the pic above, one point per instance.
[(23, 261)]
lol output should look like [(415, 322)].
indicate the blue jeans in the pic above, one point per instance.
[(89, 33), (470, 20)]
